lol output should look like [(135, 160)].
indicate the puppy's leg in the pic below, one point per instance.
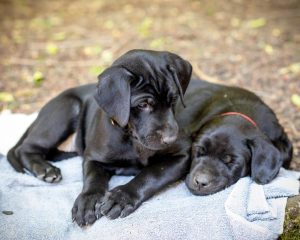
[(54, 123), (123, 200), (95, 183)]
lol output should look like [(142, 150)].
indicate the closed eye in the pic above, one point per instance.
[(200, 151)]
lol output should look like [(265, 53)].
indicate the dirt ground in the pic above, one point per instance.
[(47, 46)]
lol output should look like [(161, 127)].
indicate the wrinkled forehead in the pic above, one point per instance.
[(156, 82), (146, 63), (151, 72), (157, 86), (220, 138), (215, 142)]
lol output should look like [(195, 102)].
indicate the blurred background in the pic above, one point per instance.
[(48, 46)]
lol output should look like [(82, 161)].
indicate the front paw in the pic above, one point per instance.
[(118, 202), (46, 172), (83, 211)]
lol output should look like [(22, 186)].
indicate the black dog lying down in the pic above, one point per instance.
[(235, 134), (133, 131)]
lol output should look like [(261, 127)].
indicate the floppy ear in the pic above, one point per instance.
[(183, 70), (266, 160), (113, 93)]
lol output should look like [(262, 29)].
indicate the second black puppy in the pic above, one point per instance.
[(235, 134), (124, 125)]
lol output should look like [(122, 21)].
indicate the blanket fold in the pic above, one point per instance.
[(258, 210)]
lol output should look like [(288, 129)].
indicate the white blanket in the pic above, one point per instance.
[(32, 209)]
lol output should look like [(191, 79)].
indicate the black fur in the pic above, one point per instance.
[(226, 148), (132, 132)]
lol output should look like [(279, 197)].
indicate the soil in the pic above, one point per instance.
[(48, 46)]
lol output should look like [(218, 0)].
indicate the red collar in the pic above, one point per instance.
[(242, 115)]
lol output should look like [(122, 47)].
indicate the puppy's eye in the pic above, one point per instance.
[(143, 105), (146, 105), (227, 159)]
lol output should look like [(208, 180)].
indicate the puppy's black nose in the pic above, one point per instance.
[(202, 180)]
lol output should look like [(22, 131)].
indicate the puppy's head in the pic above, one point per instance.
[(140, 90), (223, 154)]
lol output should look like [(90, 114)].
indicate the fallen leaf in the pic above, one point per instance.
[(107, 56), (51, 48), (295, 98), (92, 50), (257, 23), (96, 70), (6, 97), (293, 68), (144, 27), (38, 78), (157, 43), (268, 49)]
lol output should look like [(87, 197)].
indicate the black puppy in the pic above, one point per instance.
[(235, 134), (133, 131)]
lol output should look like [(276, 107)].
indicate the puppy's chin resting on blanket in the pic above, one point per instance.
[(235, 135)]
